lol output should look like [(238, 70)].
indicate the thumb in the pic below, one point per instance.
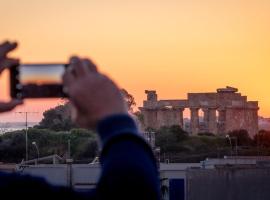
[(4, 107)]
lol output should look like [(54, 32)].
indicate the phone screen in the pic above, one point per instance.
[(31, 75), (40, 80)]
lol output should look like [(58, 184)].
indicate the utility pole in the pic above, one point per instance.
[(26, 131), (229, 138), (69, 155)]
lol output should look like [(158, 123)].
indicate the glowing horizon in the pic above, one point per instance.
[(41, 75), (174, 47)]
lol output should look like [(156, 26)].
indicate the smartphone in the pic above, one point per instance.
[(37, 81)]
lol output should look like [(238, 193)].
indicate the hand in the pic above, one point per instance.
[(4, 107), (93, 95), (6, 62)]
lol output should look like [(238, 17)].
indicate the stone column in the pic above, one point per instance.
[(212, 120), (149, 118), (221, 115), (194, 120), (251, 122), (206, 118), (221, 120), (181, 118)]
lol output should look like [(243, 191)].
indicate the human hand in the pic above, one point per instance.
[(93, 95), (6, 62)]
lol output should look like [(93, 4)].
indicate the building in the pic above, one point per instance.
[(223, 111)]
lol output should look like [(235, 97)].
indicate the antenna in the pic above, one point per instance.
[(26, 131)]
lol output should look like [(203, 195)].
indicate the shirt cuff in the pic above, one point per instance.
[(116, 125)]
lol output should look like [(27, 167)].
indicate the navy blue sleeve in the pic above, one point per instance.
[(129, 169), (15, 186)]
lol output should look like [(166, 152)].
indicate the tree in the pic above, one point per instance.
[(262, 138), (57, 119), (169, 138), (129, 99), (83, 142), (242, 137), (206, 134), (139, 116)]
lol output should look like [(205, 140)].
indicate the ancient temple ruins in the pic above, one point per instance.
[(223, 111)]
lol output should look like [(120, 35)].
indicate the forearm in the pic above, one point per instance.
[(129, 168)]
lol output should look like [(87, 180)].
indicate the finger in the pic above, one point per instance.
[(6, 47), (90, 65), (4, 107), (8, 62), (68, 78), (77, 66), (73, 112)]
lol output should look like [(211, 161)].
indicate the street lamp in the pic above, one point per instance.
[(157, 152), (236, 146), (35, 144)]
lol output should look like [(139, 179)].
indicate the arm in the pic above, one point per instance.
[(128, 166), (14, 185), (17, 186), (129, 169)]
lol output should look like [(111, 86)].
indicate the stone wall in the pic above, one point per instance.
[(228, 184)]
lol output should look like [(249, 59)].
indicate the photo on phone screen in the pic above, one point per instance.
[(38, 80)]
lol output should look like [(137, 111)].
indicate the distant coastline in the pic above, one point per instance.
[(13, 126)]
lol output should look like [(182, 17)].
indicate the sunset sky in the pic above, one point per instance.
[(41, 74), (172, 46)]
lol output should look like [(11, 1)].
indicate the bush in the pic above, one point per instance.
[(206, 134), (83, 144), (242, 137), (170, 138), (262, 139), (79, 132), (57, 119)]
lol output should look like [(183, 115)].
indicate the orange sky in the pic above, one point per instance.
[(174, 46)]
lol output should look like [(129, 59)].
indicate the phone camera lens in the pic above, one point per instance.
[(19, 86)]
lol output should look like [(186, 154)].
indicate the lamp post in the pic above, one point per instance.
[(157, 151), (35, 144), (236, 146)]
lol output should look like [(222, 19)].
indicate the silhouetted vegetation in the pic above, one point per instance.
[(52, 135), (83, 144), (262, 139), (129, 99), (57, 119), (170, 139), (177, 146), (241, 136)]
